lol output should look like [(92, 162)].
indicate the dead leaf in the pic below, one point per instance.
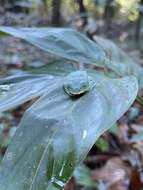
[(115, 171)]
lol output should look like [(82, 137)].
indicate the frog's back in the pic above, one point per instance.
[(77, 83)]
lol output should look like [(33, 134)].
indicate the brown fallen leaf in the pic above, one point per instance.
[(135, 183), (114, 172), (118, 186), (70, 185)]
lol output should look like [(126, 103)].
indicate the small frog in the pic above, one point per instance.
[(77, 83)]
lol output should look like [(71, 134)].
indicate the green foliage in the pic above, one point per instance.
[(66, 43), (57, 131), (83, 176), (129, 9), (102, 144), (120, 62), (13, 94), (72, 45), (56, 67)]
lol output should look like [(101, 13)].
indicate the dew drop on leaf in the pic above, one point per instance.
[(9, 156), (4, 89), (57, 182), (84, 134)]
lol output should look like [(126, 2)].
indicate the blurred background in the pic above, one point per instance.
[(116, 160), (91, 16), (118, 20)]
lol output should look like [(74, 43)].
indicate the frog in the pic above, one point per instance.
[(78, 83)]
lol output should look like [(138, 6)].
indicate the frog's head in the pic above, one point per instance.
[(77, 83)]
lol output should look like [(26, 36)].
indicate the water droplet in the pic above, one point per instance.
[(64, 121), (9, 156), (57, 182), (84, 135), (4, 88)]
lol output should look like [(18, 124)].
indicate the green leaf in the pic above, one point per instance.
[(119, 61), (58, 67), (114, 129), (83, 176), (63, 42), (19, 78), (13, 94), (2, 34), (102, 144), (72, 45), (57, 132), (139, 99)]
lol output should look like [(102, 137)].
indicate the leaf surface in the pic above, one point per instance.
[(63, 42), (119, 61), (72, 45), (83, 176), (19, 89), (57, 132)]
